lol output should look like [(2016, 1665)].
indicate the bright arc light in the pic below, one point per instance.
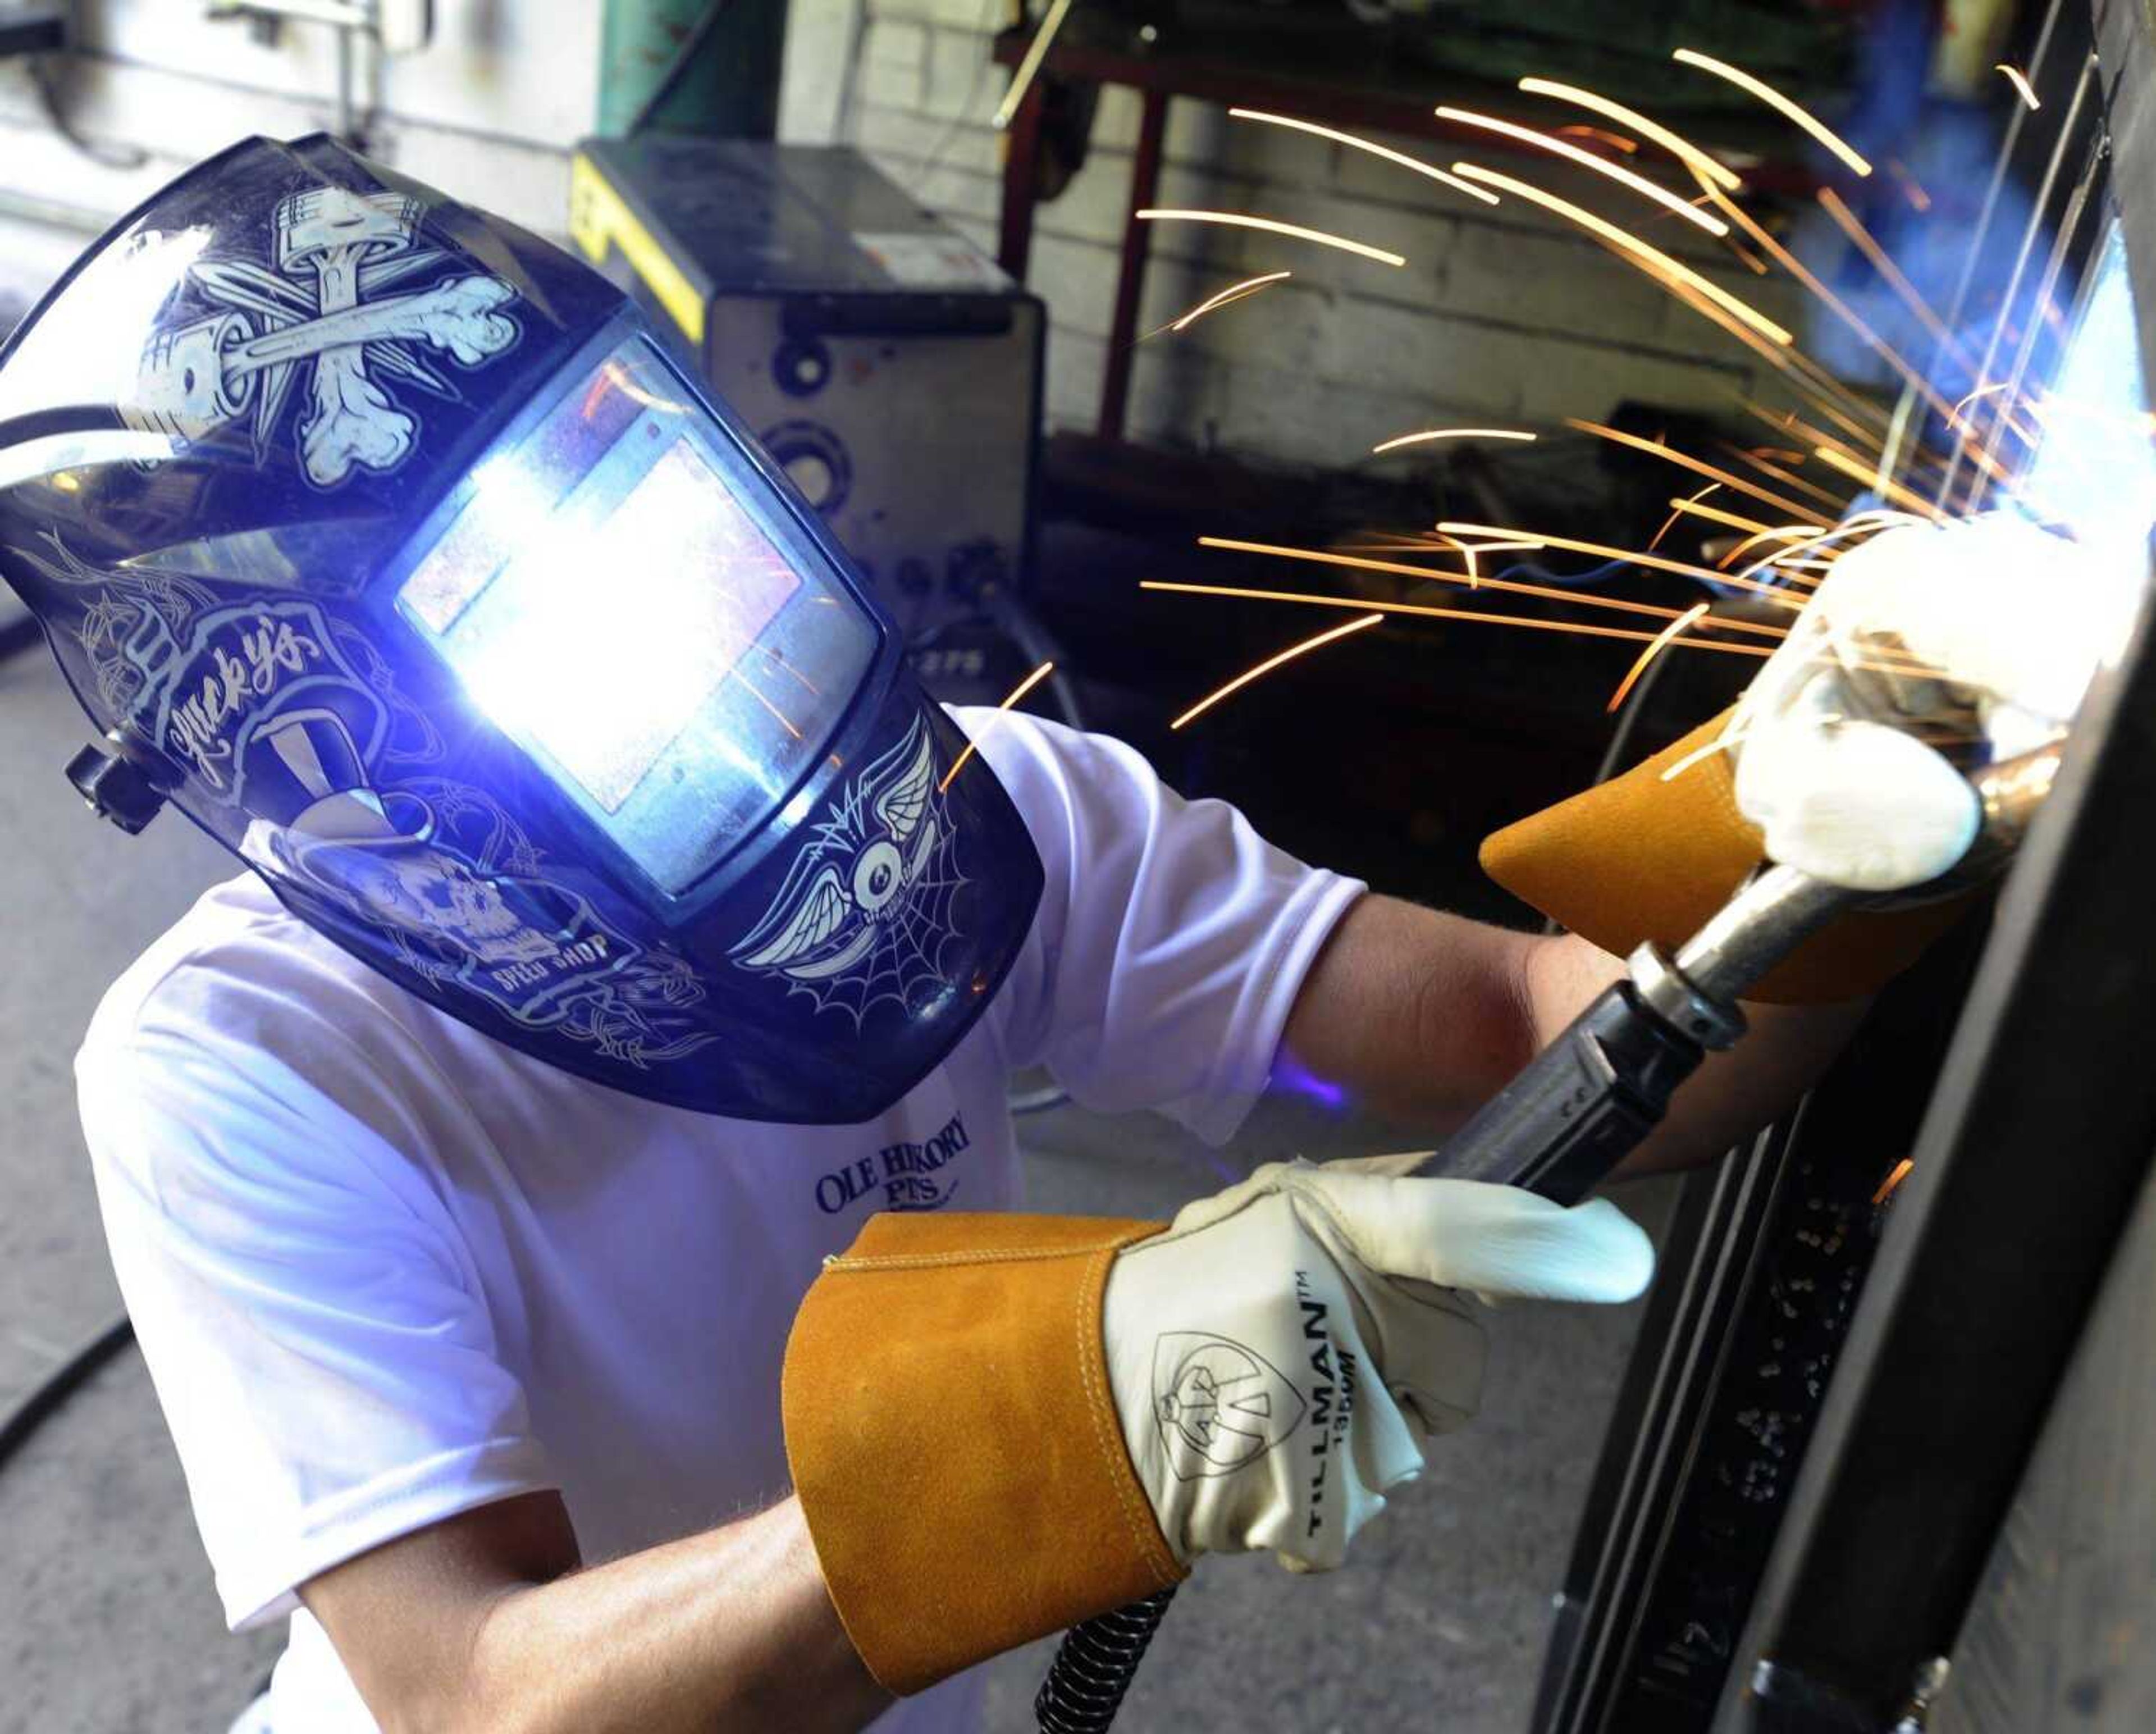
[(1587, 159), (1400, 158), (1270, 664), (1016, 692), (1654, 257), (1683, 149), (1236, 219), (1775, 99), (1430, 433)]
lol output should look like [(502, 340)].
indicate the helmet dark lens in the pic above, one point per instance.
[(606, 596)]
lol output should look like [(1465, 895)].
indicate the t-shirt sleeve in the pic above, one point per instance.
[(1172, 939), (314, 1328)]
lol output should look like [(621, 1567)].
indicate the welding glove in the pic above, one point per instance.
[(2015, 620), (1987, 631), (999, 1425), (1278, 1357)]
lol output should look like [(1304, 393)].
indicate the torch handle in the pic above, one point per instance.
[(1580, 1106)]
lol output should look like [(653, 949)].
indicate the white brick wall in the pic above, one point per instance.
[(1504, 313)]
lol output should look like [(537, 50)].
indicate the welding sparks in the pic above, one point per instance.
[(1767, 533), (1729, 737), (1684, 461), (1028, 68), (1016, 692), (1911, 189), (1295, 231), (1683, 568), (1662, 641), (1892, 1183), (1677, 510), (1787, 479), (2016, 77), (758, 693), (1789, 422), (1653, 257), (1881, 262), (1775, 99), (1682, 149), (1956, 414), (1733, 520), (1587, 159), (1548, 593), (1835, 459), (1863, 523), (1399, 158), (1810, 382), (1840, 308), (1526, 623), (1600, 136), (1211, 303), (1430, 433), (1270, 664)]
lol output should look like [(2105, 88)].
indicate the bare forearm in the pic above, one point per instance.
[(1421, 1016), (728, 1629), (483, 1624), (1417, 1017)]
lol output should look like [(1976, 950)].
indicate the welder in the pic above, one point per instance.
[(626, 978)]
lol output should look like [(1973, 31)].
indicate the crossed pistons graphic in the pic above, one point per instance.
[(334, 248)]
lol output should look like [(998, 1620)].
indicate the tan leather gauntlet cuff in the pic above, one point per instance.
[(954, 1442), (1639, 859)]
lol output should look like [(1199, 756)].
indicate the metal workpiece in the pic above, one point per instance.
[(2035, 1145)]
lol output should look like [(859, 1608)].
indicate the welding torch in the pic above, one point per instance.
[(1585, 1103)]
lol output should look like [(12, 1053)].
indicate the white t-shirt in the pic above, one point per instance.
[(386, 1269)]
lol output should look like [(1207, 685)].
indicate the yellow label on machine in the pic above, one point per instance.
[(599, 220)]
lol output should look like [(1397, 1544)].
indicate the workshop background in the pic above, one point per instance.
[(1257, 423)]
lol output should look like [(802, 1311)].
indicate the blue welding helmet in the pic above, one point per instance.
[(381, 539)]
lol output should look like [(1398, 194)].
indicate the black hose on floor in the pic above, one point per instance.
[(61, 1383)]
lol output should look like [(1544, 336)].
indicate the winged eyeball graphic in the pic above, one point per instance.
[(863, 910)]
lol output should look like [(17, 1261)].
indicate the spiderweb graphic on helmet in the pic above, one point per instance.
[(867, 908), (904, 963)]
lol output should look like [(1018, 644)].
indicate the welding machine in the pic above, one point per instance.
[(890, 367)]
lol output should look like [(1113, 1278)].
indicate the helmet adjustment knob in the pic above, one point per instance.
[(115, 787)]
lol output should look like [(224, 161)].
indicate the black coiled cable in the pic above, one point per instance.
[(1095, 1665)]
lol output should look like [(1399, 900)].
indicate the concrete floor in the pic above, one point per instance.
[(107, 1621)]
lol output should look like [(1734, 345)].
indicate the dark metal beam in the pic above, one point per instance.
[(2038, 1140)]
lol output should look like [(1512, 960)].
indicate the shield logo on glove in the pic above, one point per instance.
[(1219, 1405)]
